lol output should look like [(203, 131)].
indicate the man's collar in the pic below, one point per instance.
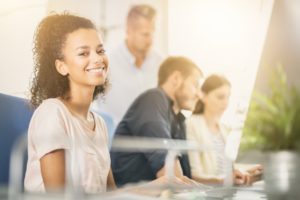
[(128, 54), (180, 117)]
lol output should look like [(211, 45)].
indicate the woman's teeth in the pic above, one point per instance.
[(96, 69)]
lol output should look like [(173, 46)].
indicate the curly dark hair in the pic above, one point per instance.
[(49, 40)]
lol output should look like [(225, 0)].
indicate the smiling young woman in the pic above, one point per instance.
[(70, 71)]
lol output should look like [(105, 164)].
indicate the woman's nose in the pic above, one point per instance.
[(97, 58)]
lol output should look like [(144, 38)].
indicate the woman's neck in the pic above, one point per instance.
[(212, 121), (79, 102)]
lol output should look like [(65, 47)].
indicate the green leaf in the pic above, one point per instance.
[(273, 121)]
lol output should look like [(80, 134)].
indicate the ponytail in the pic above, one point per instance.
[(199, 108)]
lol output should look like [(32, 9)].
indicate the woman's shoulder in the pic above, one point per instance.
[(50, 103), (50, 107), (195, 119), (99, 119), (225, 129), (196, 125), (101, 125)]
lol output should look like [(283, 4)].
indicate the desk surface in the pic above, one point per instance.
[(235, 193), (230, 193)]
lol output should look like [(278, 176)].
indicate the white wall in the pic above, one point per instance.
[(91, 9), (18, 19), (222, 36), (282, 45)]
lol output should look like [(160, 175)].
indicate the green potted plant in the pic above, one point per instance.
[(273, 120), (273, 127)]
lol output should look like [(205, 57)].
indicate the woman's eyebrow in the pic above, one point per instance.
[(87, 47)]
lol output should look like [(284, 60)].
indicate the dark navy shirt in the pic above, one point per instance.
[(178, 131), (150, 115)]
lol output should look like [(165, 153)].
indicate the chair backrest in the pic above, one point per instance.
[(109, 124), (15, 115)]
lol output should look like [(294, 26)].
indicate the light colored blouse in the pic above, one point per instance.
[(53, 127), (209, 163)]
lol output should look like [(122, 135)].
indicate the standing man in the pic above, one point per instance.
[(156, 113), (133, 64)]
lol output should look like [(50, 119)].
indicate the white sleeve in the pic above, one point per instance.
[(194, 156), (48, 129)]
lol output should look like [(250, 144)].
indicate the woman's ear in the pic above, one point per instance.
[(61, 67)]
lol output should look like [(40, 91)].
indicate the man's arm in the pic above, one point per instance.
[(153, 115), (177, 170), (179, 177)]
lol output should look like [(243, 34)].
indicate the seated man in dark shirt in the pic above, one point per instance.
[(156, 113)]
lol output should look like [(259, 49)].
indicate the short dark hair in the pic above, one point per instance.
[(176, 63), (49, 40), (142, 10), (211, 83)]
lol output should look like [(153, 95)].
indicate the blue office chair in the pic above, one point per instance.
[(109, 124), (15, 115)]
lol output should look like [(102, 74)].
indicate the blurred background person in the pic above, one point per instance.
[(204, 127), (133, 64), (156, 114)]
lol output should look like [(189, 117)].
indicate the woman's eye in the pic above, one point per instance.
[(84, 54), (102, 51), (221, 97)]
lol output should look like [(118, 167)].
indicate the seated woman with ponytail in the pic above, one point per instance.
[(204, 128)]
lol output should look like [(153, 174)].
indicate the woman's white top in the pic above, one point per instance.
[(209, 163), (53, 127)]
